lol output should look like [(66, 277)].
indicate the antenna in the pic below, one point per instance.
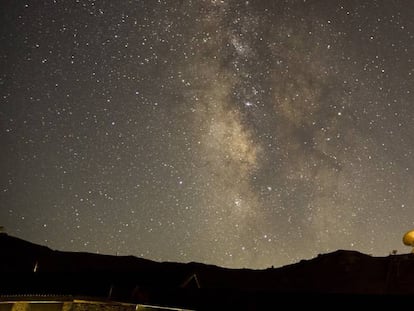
[(408, 239)]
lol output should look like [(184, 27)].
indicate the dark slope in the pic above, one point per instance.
[(345, 276)]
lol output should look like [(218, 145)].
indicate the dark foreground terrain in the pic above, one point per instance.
[(338, 279)]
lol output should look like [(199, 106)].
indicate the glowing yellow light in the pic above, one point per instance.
[(408, 238)]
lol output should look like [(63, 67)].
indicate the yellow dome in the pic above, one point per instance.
[(408, 238)]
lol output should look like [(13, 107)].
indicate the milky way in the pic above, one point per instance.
[(236, 133)]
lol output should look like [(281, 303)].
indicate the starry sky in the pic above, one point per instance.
[(235, 133)]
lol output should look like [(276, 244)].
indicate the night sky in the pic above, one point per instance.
[(235, 133)]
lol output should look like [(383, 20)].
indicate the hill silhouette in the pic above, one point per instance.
[(345, 277)]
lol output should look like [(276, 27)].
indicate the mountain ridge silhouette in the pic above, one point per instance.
[(342, 275)]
